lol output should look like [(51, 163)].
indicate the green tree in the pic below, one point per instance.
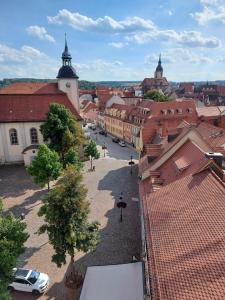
[(92, 151), (12, 239), (72, 158), (65, 212), (156, 96), (45, 166), (61, 130)]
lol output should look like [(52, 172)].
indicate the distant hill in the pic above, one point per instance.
[(88, 85), (83, 84)]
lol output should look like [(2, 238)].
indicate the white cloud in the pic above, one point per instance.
[(209, 2), (134, 29), (213, 10), (170, 13), (177, 56), (105, 24), (26, 62), (118, 45), (40, 32), (185, 38), (24, 55), (29, 62)]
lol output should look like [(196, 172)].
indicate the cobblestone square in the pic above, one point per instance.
[(120, 241)]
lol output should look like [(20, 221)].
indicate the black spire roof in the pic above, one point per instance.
[(66, 54), (159, 68), (67, 70)]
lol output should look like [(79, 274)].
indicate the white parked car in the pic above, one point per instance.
[(122, 144), (29, 281)]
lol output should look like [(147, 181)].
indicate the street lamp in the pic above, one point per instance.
[(131, 163), (121, 204)]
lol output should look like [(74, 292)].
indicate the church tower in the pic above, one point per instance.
[(68, 79), (159, 69)]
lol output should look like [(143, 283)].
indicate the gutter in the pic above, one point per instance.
[(147, 290)]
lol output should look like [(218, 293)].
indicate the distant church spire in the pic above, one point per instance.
[(159, 69), (159, 63)]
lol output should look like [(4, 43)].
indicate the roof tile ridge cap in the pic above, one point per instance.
[(152, 258)]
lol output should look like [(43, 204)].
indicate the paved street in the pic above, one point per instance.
[(119, 241)]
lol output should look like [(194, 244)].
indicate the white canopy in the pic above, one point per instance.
[(114, 282)]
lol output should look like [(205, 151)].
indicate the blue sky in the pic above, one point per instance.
[(114, 39)]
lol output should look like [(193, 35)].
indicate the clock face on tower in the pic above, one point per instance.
[(68, 85)]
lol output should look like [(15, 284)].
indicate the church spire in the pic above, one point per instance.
[(66, 47), (159, 69), (67, 70), (159, 63), (66, 57)]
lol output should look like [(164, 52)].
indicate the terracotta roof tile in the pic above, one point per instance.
[(31, 88), (31, 108), (215, 136), (212, 111), (185, 223)]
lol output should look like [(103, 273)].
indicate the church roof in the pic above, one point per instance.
[(31, 88), (154, 81), (31, 107), (67, 72)]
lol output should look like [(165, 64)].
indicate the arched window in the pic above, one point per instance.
[(13, 136), (33, 136)]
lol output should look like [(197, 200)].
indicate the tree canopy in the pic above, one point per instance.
[(156, 96), (72, 158), (45, 166), (65, 211), (92, 151), (61, 130), (12, 239)]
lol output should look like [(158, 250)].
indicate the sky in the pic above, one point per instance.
[(114, 39)]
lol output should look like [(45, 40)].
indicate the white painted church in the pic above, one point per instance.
[(23, 108)]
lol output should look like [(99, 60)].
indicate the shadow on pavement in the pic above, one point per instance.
[(14, 181), (27, 205)]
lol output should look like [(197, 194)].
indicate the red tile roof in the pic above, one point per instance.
[(213, 135), (212, 111), (89, 106), (185, 223), (31, 88), (29, 108)]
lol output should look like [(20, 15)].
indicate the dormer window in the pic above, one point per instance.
[(179, 111)]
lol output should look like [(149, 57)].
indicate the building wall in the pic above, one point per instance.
[(114, 126), (13, 153), (127, 128), (70, 87), (135, 136), (101, 120), (91, 115)]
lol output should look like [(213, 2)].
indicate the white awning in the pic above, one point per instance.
[(114, 282)]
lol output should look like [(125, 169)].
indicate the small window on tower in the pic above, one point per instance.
[(68, 85)]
